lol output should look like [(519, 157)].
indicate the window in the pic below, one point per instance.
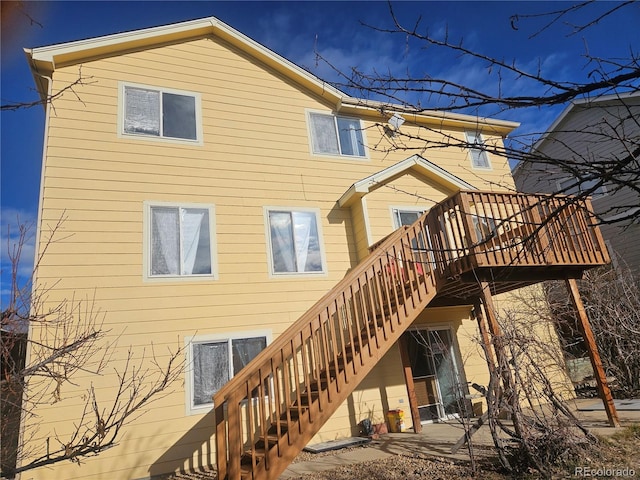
[(421, 245), (214, 361), (294, 240), (405, 217), (479, 157), (575, 186), (160, 113), (332, 135), (180, 240)]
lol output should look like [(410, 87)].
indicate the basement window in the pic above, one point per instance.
[(213, 361)]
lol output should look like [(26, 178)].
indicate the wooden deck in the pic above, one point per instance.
[(509, 240), (268, 412)]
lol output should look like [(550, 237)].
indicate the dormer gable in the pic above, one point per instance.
[(415, 163)]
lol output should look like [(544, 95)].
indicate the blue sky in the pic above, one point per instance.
[(294, 30)]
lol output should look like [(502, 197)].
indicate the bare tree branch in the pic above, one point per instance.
[(67, 338), (80, 81)]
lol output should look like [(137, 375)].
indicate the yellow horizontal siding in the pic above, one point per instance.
[(255, 153)]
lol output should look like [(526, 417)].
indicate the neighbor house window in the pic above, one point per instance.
[(215, 361), (333, 135), (160, 113), (294, 241), (180, 240), (575, 186), (479, 156)]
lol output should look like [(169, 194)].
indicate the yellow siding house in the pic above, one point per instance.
[(214, 196)]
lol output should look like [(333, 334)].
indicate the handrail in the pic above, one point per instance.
[(312, 312), (304, 372), (274, 404)]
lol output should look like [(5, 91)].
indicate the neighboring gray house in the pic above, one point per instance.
[(589, 137)]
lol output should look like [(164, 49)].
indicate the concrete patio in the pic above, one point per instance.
[(437, 439)]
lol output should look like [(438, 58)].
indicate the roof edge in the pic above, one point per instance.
[(485, 124), (44, 60), (580, 102), (363, 186), (47, 58)]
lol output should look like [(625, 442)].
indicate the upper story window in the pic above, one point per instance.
[(575, 186), (180, 241), (333, 135), (479, 156), (294, 241), (161, 113)]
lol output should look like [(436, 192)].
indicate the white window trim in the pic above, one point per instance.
[(393, 209), (365, 157), (416, 208), (146, 248), (267, 230), (153, 138), (191, 409), (488, 157), (594, 196)]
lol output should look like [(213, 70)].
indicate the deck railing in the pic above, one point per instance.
[(268, 412), (474, 229)]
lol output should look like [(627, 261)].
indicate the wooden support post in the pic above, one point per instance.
[(594, 355), (484, 334), (411, 390), (498, 340), (477, 313)]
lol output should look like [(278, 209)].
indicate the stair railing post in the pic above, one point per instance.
[(235, 438), (221, 441), (595, 232), (469, 230)]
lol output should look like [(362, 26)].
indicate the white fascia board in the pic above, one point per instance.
[(362, 187), (149, 36), (49, 52), (431, 116)]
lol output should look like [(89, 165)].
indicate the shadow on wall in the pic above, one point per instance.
[(374, 410), (193, 452), (336, 216)]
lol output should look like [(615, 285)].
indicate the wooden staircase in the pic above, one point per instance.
[(268, 412)]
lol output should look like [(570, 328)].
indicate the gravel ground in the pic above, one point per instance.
[(396, 467)]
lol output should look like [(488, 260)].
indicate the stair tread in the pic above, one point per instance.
[(380, 302)]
